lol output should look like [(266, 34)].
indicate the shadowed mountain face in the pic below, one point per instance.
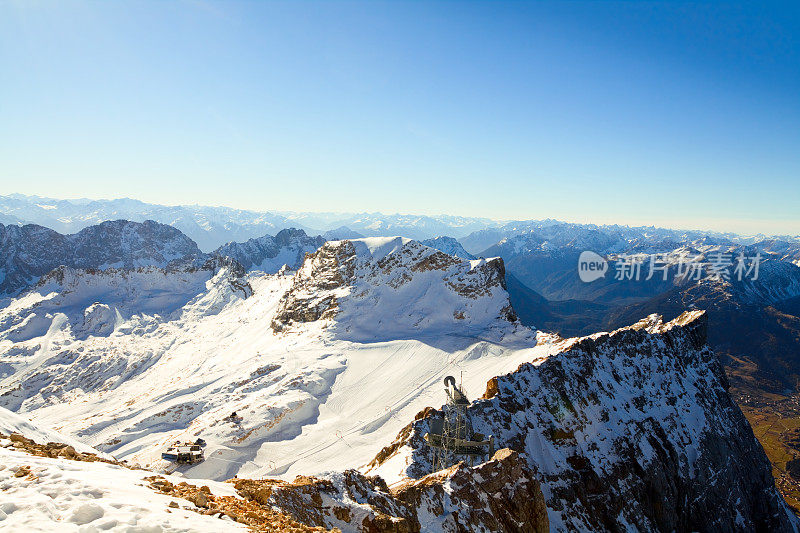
[(745, 334), (755, 330), (31, 251), (752, 321), (269, 254)]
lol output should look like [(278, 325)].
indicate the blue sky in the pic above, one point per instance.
[(669, 113)]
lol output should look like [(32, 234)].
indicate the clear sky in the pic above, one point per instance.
[(669, 113)]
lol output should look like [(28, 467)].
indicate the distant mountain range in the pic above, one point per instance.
[(212, 227), (540, 260)]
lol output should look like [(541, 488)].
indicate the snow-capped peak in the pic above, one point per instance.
[(383, 288)]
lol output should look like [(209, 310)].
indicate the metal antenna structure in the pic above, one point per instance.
[(453, 424), (452, 436)]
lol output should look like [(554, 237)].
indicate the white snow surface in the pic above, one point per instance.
[(323, 395), (377, 248), (65, 496), (14, 423)]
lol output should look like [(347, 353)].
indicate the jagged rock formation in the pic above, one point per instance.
[(410, 282), (500, 495), (28, 252), (268, 254), (313, 295), (629, 429)]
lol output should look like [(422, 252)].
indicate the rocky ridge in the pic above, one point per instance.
[(29, 252), (629, 429), (414, 284)]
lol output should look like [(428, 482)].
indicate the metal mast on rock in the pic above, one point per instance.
[(452, 436)]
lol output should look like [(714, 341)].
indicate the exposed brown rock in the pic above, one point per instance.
[(491, 389), (500, 495), (258, 517), (55, 449), (330, 267)]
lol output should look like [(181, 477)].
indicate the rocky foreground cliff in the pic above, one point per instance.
[(632, 429)]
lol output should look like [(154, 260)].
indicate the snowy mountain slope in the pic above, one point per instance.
[(308, 398), (450, 246), (632, 429), (11, 423), (268, 254), (61, 495), (38, 328), (28, 252)]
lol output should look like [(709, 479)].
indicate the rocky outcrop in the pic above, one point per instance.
[(53, 449), (500, 495), (415, 287), (248, 511), (629, 429), (324, 276)]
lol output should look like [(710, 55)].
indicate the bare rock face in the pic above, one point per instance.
[(500, 495), (629, 429), (313, 295)]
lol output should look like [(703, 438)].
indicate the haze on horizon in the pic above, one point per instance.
[(669, 114)]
